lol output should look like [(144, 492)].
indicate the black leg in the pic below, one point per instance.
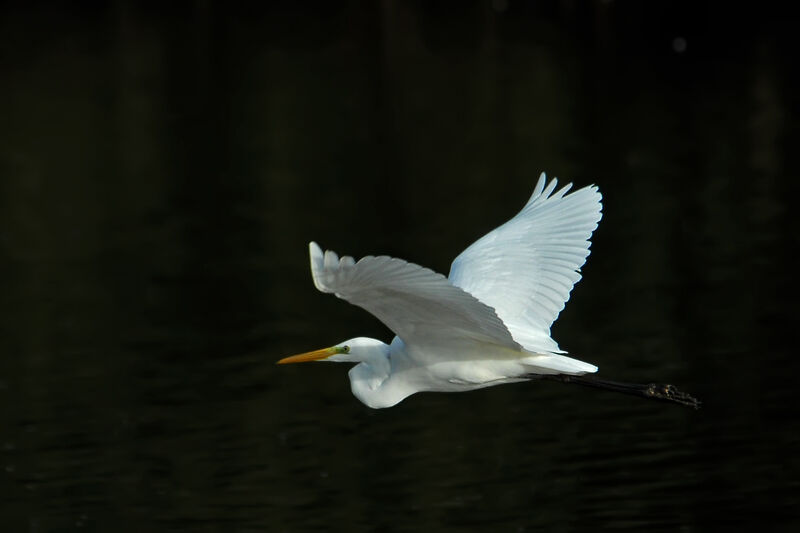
[(656, 391)]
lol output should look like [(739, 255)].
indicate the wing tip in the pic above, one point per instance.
[(324, 264), (317, 258), (542, 184), (543, 192), (538, 188)]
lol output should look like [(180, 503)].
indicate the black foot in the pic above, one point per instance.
[(670, 393), (655, 391)]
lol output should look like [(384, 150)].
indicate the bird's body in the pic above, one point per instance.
[(390, 373), (487, 323)]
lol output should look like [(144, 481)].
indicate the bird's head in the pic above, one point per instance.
[(356, 350)]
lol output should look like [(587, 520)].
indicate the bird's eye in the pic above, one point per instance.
[(346, 348)]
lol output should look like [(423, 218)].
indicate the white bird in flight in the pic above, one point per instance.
[(487, 323)]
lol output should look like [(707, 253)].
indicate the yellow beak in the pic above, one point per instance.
[(309, 356)]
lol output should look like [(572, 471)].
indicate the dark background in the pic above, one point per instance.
[(164, 165)]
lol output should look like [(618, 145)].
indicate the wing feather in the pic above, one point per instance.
[(526, 268), (421, 306)]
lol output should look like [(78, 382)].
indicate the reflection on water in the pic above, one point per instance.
[(163, 172)]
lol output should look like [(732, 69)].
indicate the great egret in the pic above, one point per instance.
[(486, 324)]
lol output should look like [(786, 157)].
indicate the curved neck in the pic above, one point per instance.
[(371, 380)]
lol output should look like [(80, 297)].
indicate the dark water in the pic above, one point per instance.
[(163, 168)]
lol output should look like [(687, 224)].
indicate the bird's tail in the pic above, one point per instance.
[(557, 364)]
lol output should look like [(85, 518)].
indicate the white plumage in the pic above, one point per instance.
[(487, 324), (527, 267)]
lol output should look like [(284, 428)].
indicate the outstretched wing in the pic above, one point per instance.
[(419, 305), (526, 268)]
